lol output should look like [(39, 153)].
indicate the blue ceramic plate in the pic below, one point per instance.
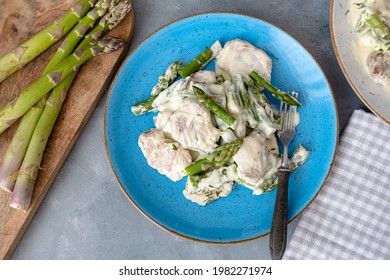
[(240, 216)]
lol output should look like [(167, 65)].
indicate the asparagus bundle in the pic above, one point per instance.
[(17, 149), (24, 186), (44, 84), (17, 58), (29, 170)]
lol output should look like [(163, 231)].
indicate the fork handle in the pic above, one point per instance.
[(278, 234)]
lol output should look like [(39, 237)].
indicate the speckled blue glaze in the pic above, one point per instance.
[(241, 215)]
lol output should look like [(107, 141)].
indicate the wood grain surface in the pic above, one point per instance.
[(19, 20)]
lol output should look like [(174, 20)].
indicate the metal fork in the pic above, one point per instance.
[(278, 234)]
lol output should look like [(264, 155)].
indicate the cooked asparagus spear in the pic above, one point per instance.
[(369, 20), (285, 97), (201, 60), (247, 104), (18, 146), (167, 78), (44, 84), (17, 58), (163, 82), (21, 196), (214, 107), (255, 114), (219, 157)]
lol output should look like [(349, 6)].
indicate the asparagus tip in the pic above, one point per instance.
[(110, 44), (117, 14)]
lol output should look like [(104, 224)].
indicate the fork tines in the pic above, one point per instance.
[(287, 114)]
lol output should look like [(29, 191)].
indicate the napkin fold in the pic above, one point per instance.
[(350, 218)]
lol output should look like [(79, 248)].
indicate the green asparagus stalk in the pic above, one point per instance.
[(369, 20), (143, 106), (18, 146), (167, 78), (255, 114), (283, 96), (247, 103), (214, 107), (22, 193), (201, 60), (78, 32), (45, 83), (17, 58), (164, 81), (219, 157), (17, 149)]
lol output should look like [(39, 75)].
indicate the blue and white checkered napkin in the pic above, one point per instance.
[(350, 218)]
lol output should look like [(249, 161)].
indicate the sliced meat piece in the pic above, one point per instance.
[(207, 77), (165, 155), (191, 125), (241, 57), (378, 64), (253, 159)]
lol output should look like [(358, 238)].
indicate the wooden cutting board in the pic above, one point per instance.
[(19, 20)]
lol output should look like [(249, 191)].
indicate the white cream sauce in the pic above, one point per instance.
[(254, 159), (217, 183), (241, 57), (363, 43), (190, 125)]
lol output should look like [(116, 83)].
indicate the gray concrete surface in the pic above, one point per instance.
[(85, 215)]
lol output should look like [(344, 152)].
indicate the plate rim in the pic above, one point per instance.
[(343, 68), (115, 174)]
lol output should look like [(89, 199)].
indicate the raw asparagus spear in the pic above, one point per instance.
[(18, 146), (44, 84), (21, 196), (201, 60), (77, 33), (214, 107), (219, 157), (163, 82), (17, 149), (17, 58), (285, 97)]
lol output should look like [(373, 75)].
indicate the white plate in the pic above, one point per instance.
[(374, 95)]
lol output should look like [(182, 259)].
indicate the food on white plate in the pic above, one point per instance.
[(370, 21), (217, 127)]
